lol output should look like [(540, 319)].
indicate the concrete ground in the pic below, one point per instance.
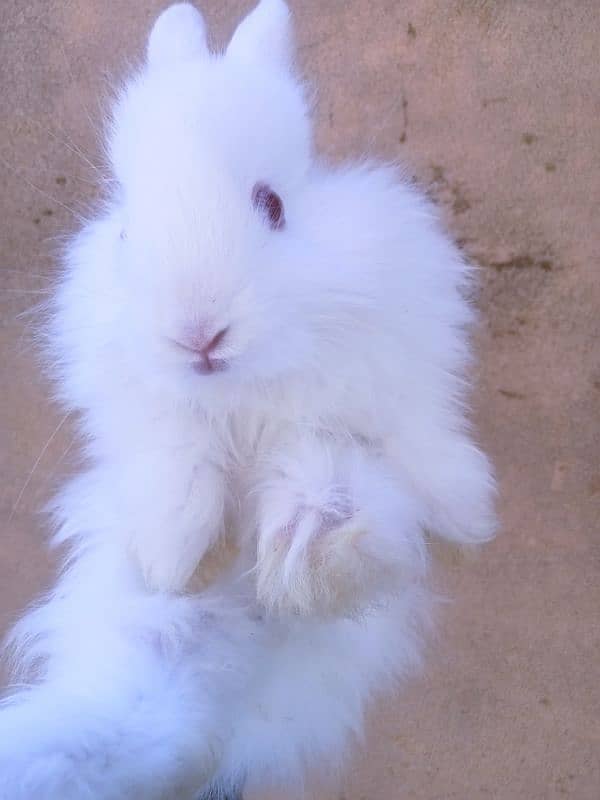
[(494, 105)]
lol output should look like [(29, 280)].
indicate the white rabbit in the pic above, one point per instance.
[(267, 358)]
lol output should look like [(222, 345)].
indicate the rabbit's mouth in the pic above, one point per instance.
[(208, 357), (207, 365)]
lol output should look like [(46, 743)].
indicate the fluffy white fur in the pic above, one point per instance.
[(334, 439)]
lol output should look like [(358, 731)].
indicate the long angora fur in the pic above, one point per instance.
[(267, 358)]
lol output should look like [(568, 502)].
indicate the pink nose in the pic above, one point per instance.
[(209, 347), (208, 352)]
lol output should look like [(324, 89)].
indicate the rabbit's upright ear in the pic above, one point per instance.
[(264, 35), (178, 34)]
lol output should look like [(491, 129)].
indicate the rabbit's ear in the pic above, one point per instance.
[(179, 33), (264, 35)]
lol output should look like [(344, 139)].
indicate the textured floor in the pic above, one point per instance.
[(494, 106)]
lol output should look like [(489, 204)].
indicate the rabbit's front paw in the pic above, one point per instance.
[(337, 533), (317, 562), (168, 562)]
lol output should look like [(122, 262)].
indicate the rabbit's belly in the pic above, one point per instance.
[(312, 682)]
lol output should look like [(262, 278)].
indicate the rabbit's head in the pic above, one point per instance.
[(212, 156), (234, 260)]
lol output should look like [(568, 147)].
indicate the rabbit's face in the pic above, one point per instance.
[(212, 154)]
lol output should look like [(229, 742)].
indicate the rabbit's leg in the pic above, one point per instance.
[(173, 501), (455, 479), (160, 484), (125, 706), (336, 531)]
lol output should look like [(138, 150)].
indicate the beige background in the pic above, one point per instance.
[(495, 108)]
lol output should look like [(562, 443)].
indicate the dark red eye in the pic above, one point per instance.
[(269, 203)]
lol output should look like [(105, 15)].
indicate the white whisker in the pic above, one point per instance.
[(25, 291), (43, 192), (35, 466)]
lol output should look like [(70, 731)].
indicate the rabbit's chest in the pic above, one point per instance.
[(246, 445)]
